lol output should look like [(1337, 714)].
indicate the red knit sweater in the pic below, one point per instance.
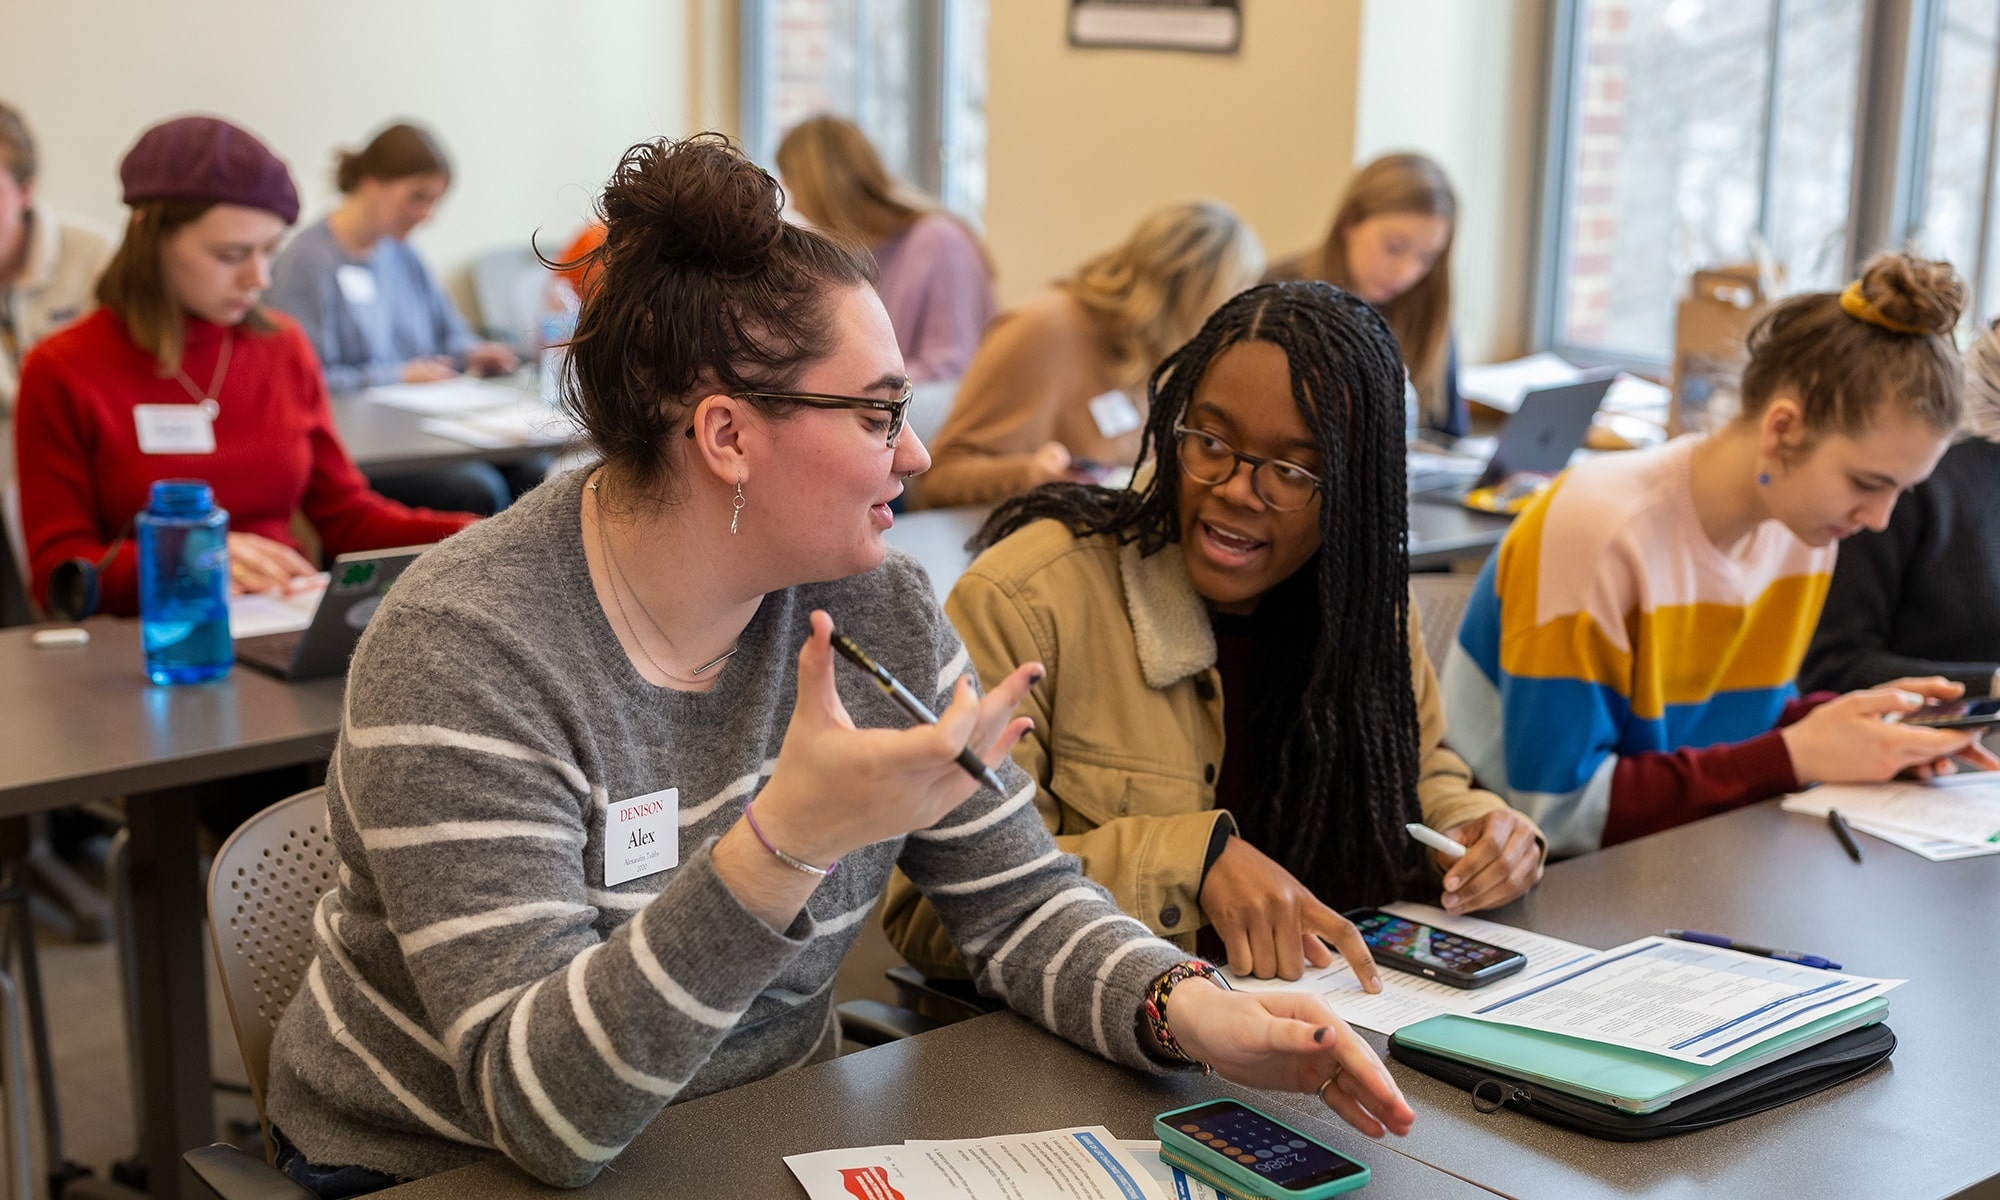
[(83, 475)]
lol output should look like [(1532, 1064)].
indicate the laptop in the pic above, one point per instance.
[(1539, 438), (355, 587)]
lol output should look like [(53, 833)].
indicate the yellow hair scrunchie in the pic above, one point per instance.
[(1858, 306)]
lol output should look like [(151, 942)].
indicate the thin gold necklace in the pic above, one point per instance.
[(604, 544)]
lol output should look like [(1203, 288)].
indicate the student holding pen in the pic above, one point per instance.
[(1626, 662), (608, 818), (1237, 717)]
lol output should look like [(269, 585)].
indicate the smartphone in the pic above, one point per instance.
[(1957, 714), (1243, 1152), (1434, 953)]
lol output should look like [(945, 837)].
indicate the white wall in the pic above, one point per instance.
[(533, 100), (1461, 81), (1085, 142)]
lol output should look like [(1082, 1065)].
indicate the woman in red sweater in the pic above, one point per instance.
[(181, 373)]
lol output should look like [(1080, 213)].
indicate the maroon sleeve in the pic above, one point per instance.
[(1651, 792), (1796, 710), (346, 513)]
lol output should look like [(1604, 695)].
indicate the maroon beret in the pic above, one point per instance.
[(203, 158)]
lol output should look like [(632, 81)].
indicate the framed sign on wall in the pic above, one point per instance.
[(1208, 26)]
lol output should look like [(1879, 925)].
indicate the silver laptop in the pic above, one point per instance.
[(355, 587)]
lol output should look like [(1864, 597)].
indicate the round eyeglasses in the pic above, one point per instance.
[(1206, 458)]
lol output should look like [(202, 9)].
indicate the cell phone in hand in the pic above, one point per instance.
[(1956, 714), (1434, 953), (1243, 1152)]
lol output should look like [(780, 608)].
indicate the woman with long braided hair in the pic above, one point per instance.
[(1238, 717)]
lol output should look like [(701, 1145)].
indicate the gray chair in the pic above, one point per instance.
[(507, 285), (1440, 601)]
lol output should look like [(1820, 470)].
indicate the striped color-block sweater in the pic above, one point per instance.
[(1616, 673), (478, 988)]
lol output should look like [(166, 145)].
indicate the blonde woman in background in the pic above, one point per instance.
[(1391, 245), (1058, 388), (932, 272)]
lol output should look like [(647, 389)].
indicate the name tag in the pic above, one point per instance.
[(357, 284), (1115, 414), (642, 836), (174, 429)]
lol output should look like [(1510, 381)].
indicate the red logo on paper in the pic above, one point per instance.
[(869, 1183)]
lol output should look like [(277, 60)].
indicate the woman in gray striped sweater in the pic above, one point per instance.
[(589, 793)]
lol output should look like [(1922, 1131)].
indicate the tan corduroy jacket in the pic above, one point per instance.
[(1128, 733), (1031, 381)]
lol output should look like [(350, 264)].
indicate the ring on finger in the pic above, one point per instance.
[(1332, 1079)]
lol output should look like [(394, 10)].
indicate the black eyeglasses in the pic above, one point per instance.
[(898, 409), (1206, 458)]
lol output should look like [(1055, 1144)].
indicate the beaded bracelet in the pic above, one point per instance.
[(1156, 1005), (796, 864)]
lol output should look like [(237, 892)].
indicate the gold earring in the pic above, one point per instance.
[(736, 505)]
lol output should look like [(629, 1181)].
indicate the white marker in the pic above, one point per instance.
[(1435, 840)]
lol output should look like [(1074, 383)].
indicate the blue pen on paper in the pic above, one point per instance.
[(1790, 956)]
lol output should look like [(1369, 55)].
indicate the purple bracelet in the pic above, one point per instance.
[(796, 864)]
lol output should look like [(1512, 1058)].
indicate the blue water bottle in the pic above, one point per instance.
[(184, 584)]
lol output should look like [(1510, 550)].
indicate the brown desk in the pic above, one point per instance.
[(997, 1074), (83, 723)]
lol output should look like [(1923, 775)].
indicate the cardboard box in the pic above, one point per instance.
[(1710, 327)]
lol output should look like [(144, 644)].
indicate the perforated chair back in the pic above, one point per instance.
[(1441, 601), (267, 879)]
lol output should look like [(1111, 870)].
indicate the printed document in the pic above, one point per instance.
[(1176, 1183), (1085, 1163), (1954, 808), (1697, 1003), (1406, 999)]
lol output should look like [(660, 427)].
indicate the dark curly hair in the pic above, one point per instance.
[(1334, 740), (700, 285)]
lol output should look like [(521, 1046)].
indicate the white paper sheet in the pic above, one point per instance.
[(1934, 849), (461, 393), (258, 613), (1697, 1003), (1955, 808), (1500, 386), (1176, 1183), (532, 424), (1406, 999), (1084, 1163)]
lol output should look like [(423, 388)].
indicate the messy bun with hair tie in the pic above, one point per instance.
[(702, 287), (1884, 341), (1906, 295)]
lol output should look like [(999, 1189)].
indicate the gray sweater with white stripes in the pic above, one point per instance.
[(478, 988)]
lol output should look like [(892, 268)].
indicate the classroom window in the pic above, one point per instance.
[(1689, 133), (1954, 201), (910, 73)]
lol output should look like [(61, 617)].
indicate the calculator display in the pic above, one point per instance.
[(1280, 1155)]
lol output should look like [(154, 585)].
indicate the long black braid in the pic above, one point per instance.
[(1334, 723)]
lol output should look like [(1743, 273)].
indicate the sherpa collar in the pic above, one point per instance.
[(1169, 618)]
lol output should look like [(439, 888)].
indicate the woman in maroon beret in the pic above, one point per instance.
[(182, 373)]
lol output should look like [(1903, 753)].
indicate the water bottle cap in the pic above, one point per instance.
[(181, 498)]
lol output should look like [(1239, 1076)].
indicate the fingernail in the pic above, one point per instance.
[(1319, 1035), (1035, 677), (1451, 883)]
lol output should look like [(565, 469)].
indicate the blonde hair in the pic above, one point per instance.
[(1421, 317), (1153, 291), (836, 180)]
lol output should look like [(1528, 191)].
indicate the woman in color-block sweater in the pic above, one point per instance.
[(182, 373), (1626, 663), (598, 765)]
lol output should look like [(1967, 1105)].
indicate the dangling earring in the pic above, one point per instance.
[(736, 505)]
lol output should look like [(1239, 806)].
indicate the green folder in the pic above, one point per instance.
[(1632, 1080)]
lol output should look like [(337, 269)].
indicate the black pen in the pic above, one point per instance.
[(915, 707), (1845, 832)]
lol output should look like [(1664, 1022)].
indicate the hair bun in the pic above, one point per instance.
[(697, 200), (1923, 293)]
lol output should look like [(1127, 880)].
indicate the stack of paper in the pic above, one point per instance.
[(532, 424), (1955, 816), (1085, 1163), (461, 393), (278, 610)]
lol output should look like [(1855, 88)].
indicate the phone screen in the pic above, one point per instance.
[(1427, 944), (1957, 712), (1278, 1154)]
